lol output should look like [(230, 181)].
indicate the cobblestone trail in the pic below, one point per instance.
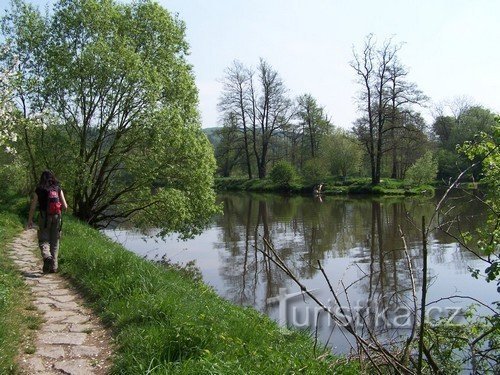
[(71, 339)]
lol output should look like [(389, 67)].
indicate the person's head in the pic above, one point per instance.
[(48, 179)]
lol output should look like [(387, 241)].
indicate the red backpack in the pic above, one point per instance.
[(53, 202)]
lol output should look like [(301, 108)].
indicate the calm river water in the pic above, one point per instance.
[(358, 242)]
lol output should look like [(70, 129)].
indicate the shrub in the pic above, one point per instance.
[(314, 171), (423, 171), (283, 174)]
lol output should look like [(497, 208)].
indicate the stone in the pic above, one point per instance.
[(54, 327), (35, 364), (63, 298), (63, 338), (66, 305), (74, 367), (76, 319), (59, 292), (85, 351), (42, 300), (85, 328), (45, 308), (68, 341), (50, 351)]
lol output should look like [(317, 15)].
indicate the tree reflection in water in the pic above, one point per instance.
[(357, 240), (364, 233)]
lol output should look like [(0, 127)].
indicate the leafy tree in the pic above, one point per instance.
[(314, 171), (453, 131), (314, 122), (423, 171), (342, 153), (11, 167), (283, 174), (7, 110), (487, 148), (111, 80)]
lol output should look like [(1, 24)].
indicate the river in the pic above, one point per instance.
[(358, 242)]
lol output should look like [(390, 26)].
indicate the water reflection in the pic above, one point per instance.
[(304, 230), (357, 240)]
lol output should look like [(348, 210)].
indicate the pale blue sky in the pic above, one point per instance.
[(450, 46)]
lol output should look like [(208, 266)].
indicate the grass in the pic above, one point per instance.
[(332, 186), (166, 323), (16, 319)]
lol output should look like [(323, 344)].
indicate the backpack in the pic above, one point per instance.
[(53, 202)]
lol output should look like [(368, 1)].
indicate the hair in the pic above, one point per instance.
[(48, 179)]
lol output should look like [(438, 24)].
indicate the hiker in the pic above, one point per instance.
[(50, 199)]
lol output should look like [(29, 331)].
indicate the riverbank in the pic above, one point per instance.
[(163, 321), (330, 187)]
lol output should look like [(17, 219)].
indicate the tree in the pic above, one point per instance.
[(486, 147), (407, 142), (271, 110), (313, 121), (234, 104), (384, 94), (342, 153), (423, 171), (259, 101), (452, 131), (12, 169), (111, 80), (229, 150), (283, 174), (7, 116)]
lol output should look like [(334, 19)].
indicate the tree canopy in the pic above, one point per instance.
[(111, 83)]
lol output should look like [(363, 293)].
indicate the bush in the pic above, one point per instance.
[(12, 177), (283, 175), (314, 171), (424, 170)]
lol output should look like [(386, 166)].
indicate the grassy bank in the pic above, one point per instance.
[(164, 322), (16, 316), (331, 187)]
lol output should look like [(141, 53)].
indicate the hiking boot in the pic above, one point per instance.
[(47, 265)]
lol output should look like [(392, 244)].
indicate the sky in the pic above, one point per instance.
[(450, 47)]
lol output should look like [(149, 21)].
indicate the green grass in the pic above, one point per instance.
[(165, 323), (332, 186), (15, 318)]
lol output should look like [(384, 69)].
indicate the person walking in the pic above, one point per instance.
[(50, 200)]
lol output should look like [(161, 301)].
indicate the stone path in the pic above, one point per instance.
[(71, 340)]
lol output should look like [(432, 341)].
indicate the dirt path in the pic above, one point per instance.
[(71, 339)]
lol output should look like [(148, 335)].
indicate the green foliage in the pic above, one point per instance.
[(424, 170), (283, 175), (455, 131), (12, 175), (314, 171), (342, 153), (314, 123), (229, 183), (165, 323), (123, 134), (474, 342), (486, 148)]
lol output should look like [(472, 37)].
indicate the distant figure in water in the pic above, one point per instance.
[(318, 189)]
